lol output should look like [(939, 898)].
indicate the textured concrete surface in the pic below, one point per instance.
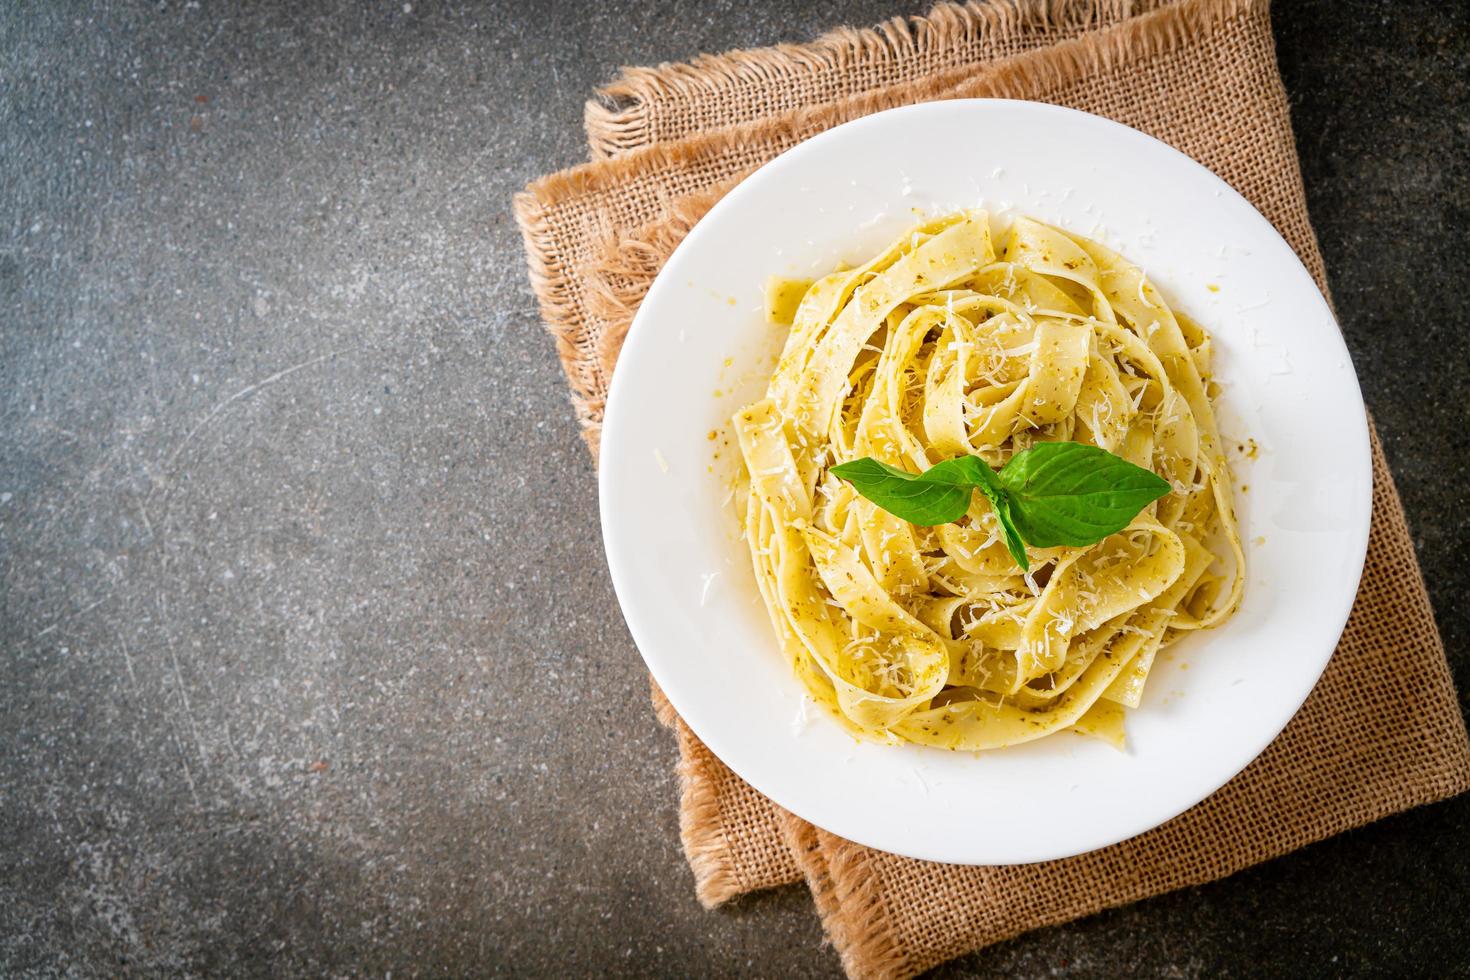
[(310, 661)]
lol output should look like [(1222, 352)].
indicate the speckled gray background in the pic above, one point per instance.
[(310, 661)]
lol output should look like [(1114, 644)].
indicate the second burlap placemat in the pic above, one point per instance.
[(1382, 732)]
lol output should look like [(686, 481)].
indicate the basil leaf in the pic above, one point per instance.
[(939, 495), (987, 481), (1001, 504), (1055, 493), (1067, 493)]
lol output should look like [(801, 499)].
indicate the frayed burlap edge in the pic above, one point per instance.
[(1148, 34), (848, 897), (701, 830), (701, 823), (621, 116), (559, 314)]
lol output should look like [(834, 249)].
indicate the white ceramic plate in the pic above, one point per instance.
[(700, 349)]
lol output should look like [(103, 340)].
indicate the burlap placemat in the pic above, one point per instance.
[(1382, 732)]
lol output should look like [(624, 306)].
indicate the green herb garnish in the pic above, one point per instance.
[(1055, 493)]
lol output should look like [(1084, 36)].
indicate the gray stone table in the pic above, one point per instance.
[(309, 663)]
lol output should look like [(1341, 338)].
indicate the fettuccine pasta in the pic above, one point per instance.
[(941, 345)]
